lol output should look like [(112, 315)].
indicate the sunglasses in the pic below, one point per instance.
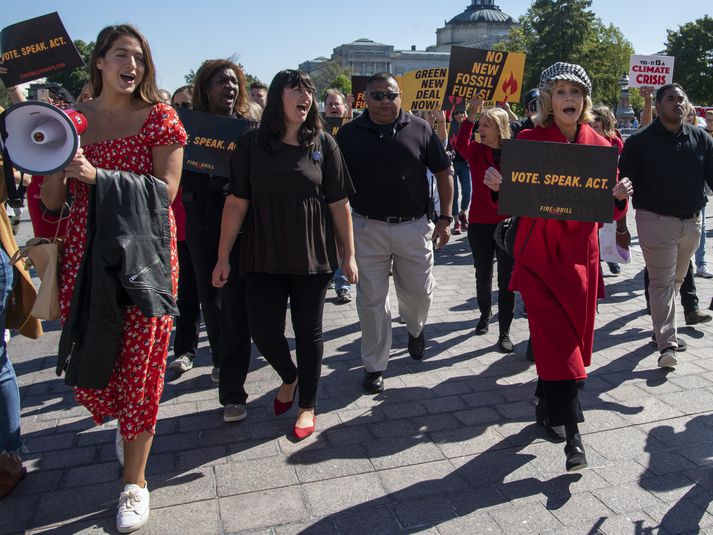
[(186, 105), (381, 95)]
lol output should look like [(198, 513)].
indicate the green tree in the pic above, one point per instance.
[(341, 82), (692, 45), (567, 30), (331, 74), (73, 81), (189, 77), (4, 97)]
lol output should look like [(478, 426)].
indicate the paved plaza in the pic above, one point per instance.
[(450, 447)]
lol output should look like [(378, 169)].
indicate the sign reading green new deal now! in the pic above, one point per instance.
[(558, 180)]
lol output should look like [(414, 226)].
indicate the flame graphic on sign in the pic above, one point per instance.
[(510, 86)]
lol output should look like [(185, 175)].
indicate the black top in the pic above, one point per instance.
[(288, 228), (668, 170), (388, 164)]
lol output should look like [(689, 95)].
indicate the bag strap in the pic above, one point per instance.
[(15, 193)]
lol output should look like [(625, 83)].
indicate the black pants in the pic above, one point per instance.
[(189, 321), (267, 309), (560, 401), (224, 313), (689, 298), (482, 245)]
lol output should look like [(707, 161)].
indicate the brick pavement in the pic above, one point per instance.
[(449, 447)]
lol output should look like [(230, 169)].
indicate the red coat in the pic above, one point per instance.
[(479, 157), (557, 273)]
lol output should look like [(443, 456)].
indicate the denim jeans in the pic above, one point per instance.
[(462, 176), (9, 393), (701, 251), (341, 281)]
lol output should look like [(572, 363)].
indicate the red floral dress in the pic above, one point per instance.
[(136, 383)]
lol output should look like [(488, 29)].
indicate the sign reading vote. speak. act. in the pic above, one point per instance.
[(485, 74), (211, 141), (558, 180), (36, 48)]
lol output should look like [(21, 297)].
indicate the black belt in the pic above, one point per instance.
[(689, 216), (391, 219)]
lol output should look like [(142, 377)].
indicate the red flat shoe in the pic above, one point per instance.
[(282, 407), (304, 432)]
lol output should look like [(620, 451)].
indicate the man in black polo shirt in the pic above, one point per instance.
[(668, 163), (388, 153)]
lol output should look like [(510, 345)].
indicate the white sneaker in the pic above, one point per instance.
[(182, 363), (133, 511), (704, 273), (119, 447), (215, 375)]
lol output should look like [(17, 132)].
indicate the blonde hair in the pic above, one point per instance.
[(607, 118), (544, 116), (500, 117)]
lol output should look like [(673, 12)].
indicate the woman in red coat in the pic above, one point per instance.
[(557, 263), (493, 127)]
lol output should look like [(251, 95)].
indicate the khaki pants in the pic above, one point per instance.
[(668, 243), (412, 250)]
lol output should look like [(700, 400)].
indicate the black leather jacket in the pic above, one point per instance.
[(127, 262)]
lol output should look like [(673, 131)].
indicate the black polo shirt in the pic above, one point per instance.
[(668, 170), (388, 164)]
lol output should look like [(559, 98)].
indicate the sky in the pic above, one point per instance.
[(269, 35)]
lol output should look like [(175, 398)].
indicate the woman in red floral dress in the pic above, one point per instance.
[(128, 130)]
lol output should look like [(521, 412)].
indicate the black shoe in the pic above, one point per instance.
[(614, 268), (416, 346), (711, 307), (373, 382), (576, 458), (695, 316), (482, 327), (682, 345), (505, 344), (554, 434), (530, 353)]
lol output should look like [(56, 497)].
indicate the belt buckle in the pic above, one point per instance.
[(393, 219)]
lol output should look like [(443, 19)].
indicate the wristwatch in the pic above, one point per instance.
[(445, 218)]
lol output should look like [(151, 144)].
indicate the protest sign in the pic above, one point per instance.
[(358, 88), (333, 124), (423, 89), (211, 141), (36, 48), (650, 71), (486, 74), (558, 180)]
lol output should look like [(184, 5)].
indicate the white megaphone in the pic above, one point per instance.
[(39, 138)]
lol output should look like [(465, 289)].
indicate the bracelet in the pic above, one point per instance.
[(622, 231)]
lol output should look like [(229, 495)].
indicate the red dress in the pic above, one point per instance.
[(557, 274), (136, 383)]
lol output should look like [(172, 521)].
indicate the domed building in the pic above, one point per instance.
[(481, 25)]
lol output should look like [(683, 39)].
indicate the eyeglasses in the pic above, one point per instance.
[(596, 119), (186, 105), (381, 95)]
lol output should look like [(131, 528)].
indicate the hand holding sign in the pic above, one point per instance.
[(475, 106), (493, 178), (623, 189)]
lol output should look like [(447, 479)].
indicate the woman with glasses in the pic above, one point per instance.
[(294, 181), (604, 123)]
